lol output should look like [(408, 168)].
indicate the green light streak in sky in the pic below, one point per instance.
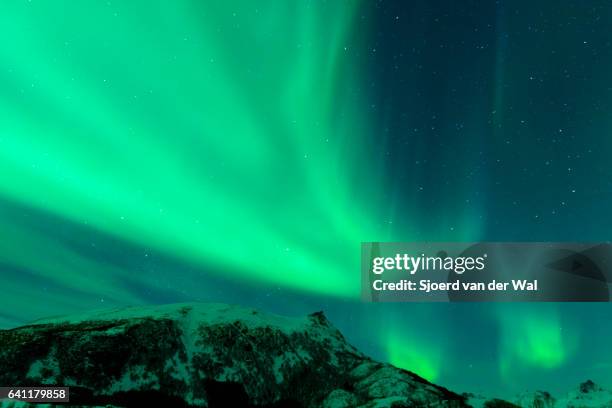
[(534, 338), (418, 356), (206, 131)]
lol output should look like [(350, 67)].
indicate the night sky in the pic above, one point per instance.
[(240, 151)]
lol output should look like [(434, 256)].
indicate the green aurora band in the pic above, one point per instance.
[(193, 129)]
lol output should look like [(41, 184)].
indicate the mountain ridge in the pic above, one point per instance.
[(206, 355)]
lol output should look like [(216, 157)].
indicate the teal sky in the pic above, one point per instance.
[(240, 151)]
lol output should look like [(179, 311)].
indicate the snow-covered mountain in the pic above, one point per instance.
[(206, 355), (586, 395)]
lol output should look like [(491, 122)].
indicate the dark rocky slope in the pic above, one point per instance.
[(206, 355)]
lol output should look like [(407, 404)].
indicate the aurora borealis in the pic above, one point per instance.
[(240, 151)]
